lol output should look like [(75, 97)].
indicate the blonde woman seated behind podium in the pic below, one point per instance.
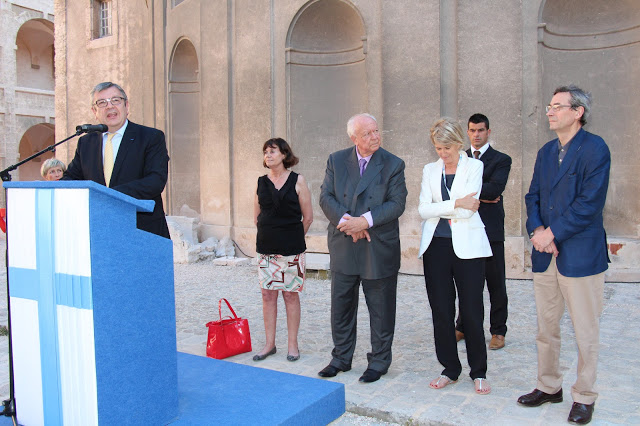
[(52, 169)]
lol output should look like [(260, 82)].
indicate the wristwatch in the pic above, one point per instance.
[(531, 234)]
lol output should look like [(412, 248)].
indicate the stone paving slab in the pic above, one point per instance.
[(402, 395)]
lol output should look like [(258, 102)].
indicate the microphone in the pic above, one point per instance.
[(86, 128)]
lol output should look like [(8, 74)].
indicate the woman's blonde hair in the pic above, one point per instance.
[(446, 131), (50, 164)]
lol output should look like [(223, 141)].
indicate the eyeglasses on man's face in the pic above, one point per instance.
[(556, 107), (370, 133), (115, 101)]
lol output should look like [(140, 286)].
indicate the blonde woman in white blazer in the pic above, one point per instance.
[(453, 247)]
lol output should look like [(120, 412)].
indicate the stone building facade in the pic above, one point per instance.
[(222, 76), (27, 107)]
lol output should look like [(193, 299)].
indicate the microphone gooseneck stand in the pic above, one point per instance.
[(9, 405)]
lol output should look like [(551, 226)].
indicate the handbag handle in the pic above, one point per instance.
[(230, 308)]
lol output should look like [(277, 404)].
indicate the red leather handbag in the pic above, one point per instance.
[(228, 336)]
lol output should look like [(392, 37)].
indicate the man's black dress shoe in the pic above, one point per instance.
[(581, 413), (331, 371), (370, 375), (537, 397)]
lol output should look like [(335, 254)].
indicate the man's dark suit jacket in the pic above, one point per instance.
[(381, 190), (494, 180), (570, 199), (140, 170)]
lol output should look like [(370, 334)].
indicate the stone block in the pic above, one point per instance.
[(317, 242), (318, 261), (183, 228), (624, 254), (232, 261), (187, 248), (514, 258), (210, 243), (239, 261), (225, 248)]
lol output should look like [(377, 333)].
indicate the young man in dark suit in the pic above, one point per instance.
[(129, 158), (569, 258), (494, 180), (363, 195)]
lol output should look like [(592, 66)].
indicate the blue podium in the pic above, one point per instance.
[(92, 308)]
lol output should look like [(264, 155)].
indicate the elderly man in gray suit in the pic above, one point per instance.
[(363, 195)]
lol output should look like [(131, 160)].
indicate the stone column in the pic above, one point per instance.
[(449, 58)]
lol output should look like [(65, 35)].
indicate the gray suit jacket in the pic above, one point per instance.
[(382, 191)]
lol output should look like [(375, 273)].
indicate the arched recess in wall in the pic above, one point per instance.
[(326, 84), (596, 45), (184, 127), (34, 55), (35, 139)]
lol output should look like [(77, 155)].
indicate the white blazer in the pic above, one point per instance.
[(467, 230)]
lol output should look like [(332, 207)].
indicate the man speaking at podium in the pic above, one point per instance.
[(129, 158)]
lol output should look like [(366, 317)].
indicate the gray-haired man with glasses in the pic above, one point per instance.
[(569, 257), (129, 158)]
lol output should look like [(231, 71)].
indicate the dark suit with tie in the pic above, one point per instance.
[(382, 191), (494, 181), (140, 169)]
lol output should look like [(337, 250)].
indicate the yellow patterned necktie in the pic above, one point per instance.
[(108, 159)]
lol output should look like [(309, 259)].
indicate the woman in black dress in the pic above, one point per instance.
[(283, 214)]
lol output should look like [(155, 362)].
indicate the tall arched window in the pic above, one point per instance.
[(326, 84), (184, 136)]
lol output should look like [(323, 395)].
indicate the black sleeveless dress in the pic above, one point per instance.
[(280, 229)]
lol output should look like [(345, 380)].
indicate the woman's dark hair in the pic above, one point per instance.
[(290, 160)]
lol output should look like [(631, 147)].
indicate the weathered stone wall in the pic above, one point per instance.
[(26, 81), (297, 69)]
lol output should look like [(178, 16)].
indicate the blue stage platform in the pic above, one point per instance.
[(221, 392), (212, 392)]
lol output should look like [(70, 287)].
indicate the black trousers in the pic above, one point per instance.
[(380, 296), (443, 273), (497, 286)]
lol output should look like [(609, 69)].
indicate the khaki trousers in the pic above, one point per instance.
[(583, 297)]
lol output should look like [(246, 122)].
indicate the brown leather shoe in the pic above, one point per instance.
[(497, 342), (459, 336)]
